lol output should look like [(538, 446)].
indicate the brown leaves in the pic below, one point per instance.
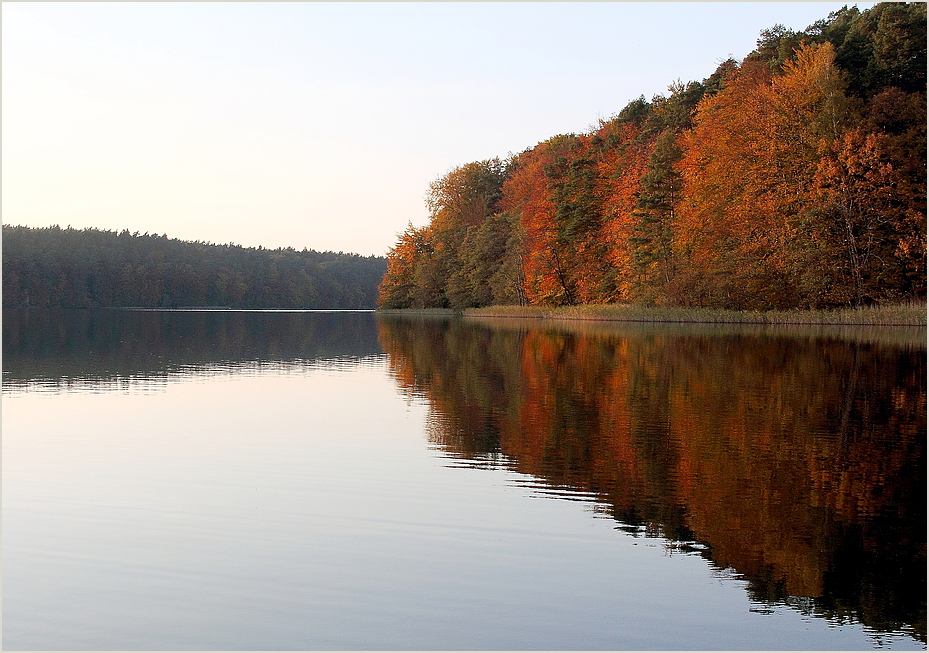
[(780, 190)]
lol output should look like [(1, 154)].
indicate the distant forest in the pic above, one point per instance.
[(70, 268), (795, 178)]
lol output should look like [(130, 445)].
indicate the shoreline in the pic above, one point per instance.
[(910, 314)]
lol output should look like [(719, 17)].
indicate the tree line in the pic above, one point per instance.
[(70, 268), (795, 178)]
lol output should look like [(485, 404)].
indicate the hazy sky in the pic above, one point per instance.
[(319, 125)]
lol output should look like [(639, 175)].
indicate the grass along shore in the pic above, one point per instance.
[(904, 314)]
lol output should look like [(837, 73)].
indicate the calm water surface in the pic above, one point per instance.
[(286, 480)]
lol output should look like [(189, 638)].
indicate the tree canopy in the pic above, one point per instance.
[(795, 178)]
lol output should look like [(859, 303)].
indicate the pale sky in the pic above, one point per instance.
[(319, 125)]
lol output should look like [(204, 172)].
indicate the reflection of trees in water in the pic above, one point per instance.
[(799, 461), (101, 343)]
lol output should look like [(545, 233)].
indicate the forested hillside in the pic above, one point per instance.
[(70, 268), (795, 178)]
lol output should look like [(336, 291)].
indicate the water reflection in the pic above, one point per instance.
[(102, 350), (795, 458)]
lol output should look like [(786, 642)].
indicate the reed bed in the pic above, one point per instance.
[(904, 314), (425, 312)]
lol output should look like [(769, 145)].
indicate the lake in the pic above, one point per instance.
[(285, 480)]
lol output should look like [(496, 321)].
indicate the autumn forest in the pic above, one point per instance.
[(795, 178)]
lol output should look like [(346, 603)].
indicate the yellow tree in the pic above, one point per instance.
[(399, 288), (719, 220), (749, 168)]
